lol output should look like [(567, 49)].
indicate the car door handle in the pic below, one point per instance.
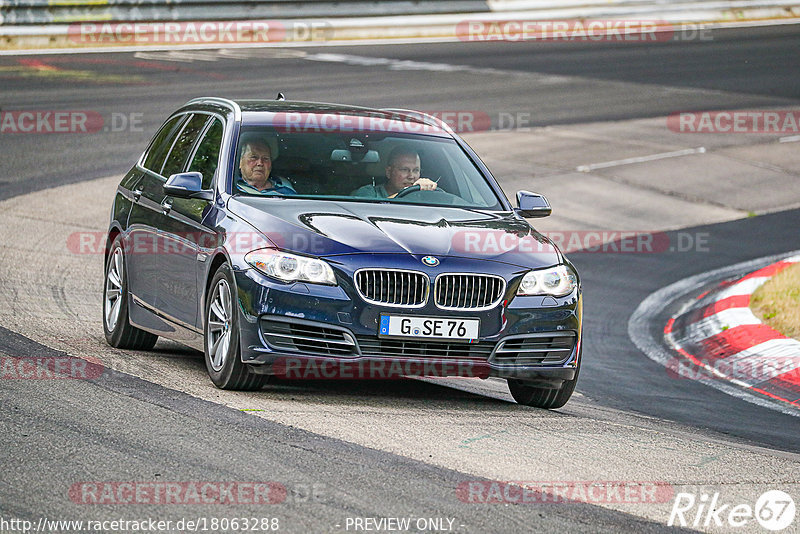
[(166, 205), (137, 194)]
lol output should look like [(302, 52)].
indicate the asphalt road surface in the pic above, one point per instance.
[(349, 450)]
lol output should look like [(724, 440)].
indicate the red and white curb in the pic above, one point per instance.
[(718, 333), (718, 339)]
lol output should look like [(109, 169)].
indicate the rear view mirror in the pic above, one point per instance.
[(370, 156), (187, 185), (532, 205)]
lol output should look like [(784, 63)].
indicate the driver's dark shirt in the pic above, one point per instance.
[(370, 191)]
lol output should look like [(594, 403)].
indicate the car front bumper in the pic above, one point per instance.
[(309, 331)]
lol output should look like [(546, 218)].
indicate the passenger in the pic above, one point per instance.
[(402, 171), (256, 166)]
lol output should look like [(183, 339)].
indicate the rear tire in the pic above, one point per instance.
[(221, 337), (116, 324), (539, 397)]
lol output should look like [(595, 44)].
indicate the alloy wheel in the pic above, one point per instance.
[(219, 325), (112, 303)]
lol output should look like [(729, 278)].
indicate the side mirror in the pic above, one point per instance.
[(532, 205), (187, 185)]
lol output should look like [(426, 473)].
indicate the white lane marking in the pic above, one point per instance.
[(641, 159), (394, 64), (187, 56), (642, 319), (718, 323), (329, 57), (408, 65), (349, 59), (790, 139)]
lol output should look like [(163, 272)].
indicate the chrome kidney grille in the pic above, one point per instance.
[(468, 291), (390, 287), (409, 289)]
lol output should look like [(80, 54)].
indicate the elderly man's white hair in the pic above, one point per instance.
[(251, 139)]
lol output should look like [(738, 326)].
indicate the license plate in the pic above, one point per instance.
[(429, 327)]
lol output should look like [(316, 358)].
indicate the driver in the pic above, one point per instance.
[(402, 171)]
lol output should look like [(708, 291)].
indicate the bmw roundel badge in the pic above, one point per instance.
[(430, 261)]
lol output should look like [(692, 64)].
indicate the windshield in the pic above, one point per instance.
[(363, 166)]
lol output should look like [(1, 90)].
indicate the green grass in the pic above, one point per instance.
[(777, 302)]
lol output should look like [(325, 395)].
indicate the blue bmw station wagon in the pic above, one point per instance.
[(308, 240)]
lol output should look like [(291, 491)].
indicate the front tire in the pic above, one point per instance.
[(116, 324), (539, 397), (221, 337)]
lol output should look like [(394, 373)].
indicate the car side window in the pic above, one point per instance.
[(159, 146), (206, 156), (183, 144)]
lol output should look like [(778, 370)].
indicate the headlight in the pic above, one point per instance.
[(290, 268), (556, 281)]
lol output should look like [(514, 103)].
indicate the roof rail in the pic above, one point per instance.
[(237, 111), (429, 120)]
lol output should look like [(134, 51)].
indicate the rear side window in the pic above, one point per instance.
[(207, 155), (159, 146), (183, 145)]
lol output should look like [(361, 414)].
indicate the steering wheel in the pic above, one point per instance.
[(407, 191), (444, 196)]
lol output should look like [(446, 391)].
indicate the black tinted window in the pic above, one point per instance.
[(207, 155), (159, 146), (183, 145)]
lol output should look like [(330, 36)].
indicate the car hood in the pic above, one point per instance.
[(327, 228)]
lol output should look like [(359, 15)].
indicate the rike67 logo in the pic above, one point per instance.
[(774, 510)]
